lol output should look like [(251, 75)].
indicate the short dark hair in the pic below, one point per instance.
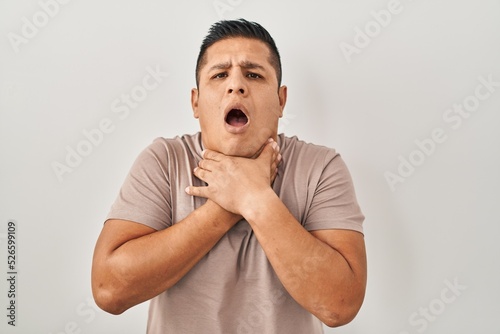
[(238, 28)]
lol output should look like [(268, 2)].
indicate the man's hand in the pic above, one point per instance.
[(234, 182), (323, 270)]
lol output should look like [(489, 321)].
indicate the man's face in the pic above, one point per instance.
[(238, 101)]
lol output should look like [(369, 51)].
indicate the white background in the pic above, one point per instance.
[(437, 228)]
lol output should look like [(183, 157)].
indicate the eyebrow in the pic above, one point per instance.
[(245, 64)]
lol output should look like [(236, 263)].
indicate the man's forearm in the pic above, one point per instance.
[(144, 267), (316, 275), (324, 272)]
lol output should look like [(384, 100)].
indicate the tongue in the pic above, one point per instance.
[(236, 118)]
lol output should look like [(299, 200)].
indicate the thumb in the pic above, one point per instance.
[(270, 151)]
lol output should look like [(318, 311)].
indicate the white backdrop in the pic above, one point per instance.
[(407, 91)]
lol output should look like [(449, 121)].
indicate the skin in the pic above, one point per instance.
[(323, 270), (238, 72)]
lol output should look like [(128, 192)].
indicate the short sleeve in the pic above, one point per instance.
[(145, 196), (334, 204)]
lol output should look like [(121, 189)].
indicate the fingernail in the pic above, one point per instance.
[(187, 190), (275, 146), (279, 157), (203, 153), (269, 140), (195, 169)]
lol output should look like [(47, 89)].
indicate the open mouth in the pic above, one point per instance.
[(236, 118)]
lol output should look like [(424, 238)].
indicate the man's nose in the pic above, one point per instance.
[(237, 85), (241, 90)]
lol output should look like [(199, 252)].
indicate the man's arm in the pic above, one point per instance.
[(133, 262), (324, 270)]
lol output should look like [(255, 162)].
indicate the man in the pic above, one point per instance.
[(235, 229)]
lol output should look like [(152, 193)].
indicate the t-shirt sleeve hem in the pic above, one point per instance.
[(341, 225), (144, 220)]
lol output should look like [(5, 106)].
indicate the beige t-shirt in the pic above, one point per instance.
[(234, 289)]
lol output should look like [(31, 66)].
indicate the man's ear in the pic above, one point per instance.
[(282, 94), (194, 102)]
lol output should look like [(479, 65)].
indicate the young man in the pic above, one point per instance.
[(235, 229)]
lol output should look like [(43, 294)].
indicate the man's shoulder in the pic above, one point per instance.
[(164, 152), (187, 143), (294, 147)]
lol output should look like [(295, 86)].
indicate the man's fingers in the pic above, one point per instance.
[(270, 151), (207, 165), (276, 162), (212, 155), (270, 154), (201, 173), (196, 191)]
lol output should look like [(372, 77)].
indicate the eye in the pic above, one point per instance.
[(220, 75), (254, 75)]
